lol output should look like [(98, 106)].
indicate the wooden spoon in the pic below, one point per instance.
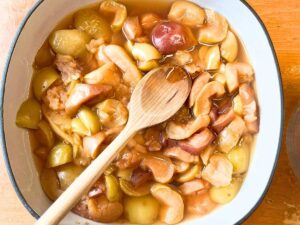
[(157, 97)]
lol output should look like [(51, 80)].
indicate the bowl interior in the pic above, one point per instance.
[(16, 89)]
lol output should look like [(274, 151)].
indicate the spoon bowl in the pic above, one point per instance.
[(159, 95)]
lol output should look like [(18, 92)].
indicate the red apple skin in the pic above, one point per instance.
[(169, 37)]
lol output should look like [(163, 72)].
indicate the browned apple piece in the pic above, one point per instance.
[(172, 209), (120, 57), (232, 79), (84, 92), (210, 57), (101, 58), (237, 104), (144, 53), (132, 28), (203, 101), (193, 186), (160, 166), (197, 142), (107, 74), (207, 153), (230, 135), (199, 204), (182, 58), (183, 131), (91, 144), (180, 166), (59, 122), (187, 13), (229, 47), (190, 174), (215, 29), (219, 170), (100, 209), (223, 121), (250, 108), (130, 158), (222, 68), (245, 72), (179, 154), (220, 77), (238, 73), (198, 84)]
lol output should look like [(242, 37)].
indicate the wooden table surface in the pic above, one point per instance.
[(282, 19)]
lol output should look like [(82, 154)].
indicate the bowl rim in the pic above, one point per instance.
[(2, 93)]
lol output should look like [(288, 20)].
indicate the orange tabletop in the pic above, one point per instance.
[(282, 19)]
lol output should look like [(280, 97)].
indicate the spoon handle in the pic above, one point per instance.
[(56, 212)]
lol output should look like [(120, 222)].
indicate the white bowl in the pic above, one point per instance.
[(15, 89)]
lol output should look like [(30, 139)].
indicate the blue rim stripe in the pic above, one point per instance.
[(2, 92)]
